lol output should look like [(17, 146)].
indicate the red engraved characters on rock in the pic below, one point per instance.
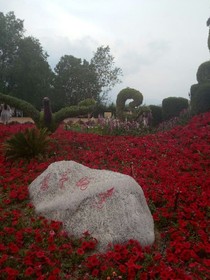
[(64, 178), (45, 182), (83, 183), (102, 197)]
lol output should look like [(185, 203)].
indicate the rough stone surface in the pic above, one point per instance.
[(111, 206)]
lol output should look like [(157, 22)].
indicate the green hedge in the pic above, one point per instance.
[(200, 100), (28, 109), (203, 73), (172, 106), (156, 114), (87, 102)]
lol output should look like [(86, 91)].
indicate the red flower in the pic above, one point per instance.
[(80, 251), (92, 261), (29, 271), (40, 254), (122, 268), (13, 248), (95, 272), (11, 271)]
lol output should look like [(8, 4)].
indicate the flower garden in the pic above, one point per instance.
[(173, 169)]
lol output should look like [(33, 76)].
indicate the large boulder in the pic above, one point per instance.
[(111, 206)]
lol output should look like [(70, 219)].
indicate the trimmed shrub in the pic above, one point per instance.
[(193, 89), (156, 115), (26, 107), (172, 106), (71, 112), (200, 100), (203, 73), (87, 102), (123, 96), (99, 110)]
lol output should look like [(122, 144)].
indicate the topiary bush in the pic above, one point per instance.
[(156, 114), (193, 89), (203, 72), (172, 106), (200, 99), (28, 109), (71, 112), (123, 96), (31, 143), (87, 102), (200, 93), (46, 119)]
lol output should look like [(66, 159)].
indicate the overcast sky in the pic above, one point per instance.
[(158, 44)]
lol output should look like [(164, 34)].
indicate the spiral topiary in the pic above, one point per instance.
[(123, 96)]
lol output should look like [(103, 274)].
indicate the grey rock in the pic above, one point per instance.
[(111, 206)]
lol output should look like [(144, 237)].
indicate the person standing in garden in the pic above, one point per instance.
[(5, 113)]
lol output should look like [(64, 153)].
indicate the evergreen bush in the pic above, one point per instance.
[(172, 106), (200, 100), (203, 73), (156, 115), (87, 102)]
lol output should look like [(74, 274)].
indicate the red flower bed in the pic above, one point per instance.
[(173, 168)]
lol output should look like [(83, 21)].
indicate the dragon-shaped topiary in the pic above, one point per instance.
[(45, 119)]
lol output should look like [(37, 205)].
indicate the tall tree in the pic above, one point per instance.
[(108, 74), (11, 32), (24, 70), (75, 80), (31, 76)]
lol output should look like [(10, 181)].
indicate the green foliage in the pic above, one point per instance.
[(138, 113), (11, 32), (107, 74), (31, 143), (31, 74), (24, 70), (70, 112), (52, 121), (99, 109), (26, 107), (200, 93), (123, 96), (172, 106), (87, 102), (111, 108), (75, 81), (156, 115), (203, 73), (193, 89), (200, 100)]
